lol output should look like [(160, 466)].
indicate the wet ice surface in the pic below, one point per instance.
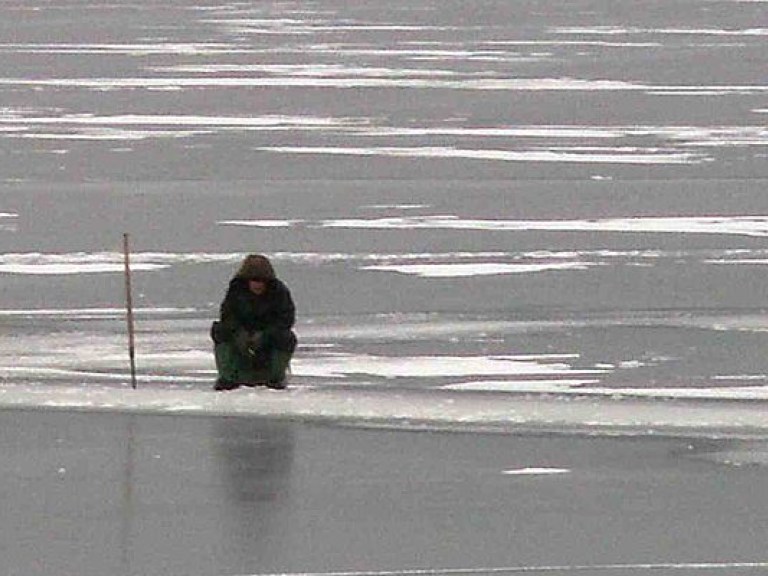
[(135, 494)]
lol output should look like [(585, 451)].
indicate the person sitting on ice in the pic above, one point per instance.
[(253, 338)]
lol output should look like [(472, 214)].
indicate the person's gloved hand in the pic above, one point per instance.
[(255, 342), (242, 344)]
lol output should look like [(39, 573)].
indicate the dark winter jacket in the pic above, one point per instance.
[(272, 312)]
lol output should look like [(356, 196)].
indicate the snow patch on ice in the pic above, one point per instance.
[(99, 262), (751, 261), (138, 49), (8, 221), (735, 225), (262, 122), (539, 386), (428, 265), (303, 27), (394, 206), (309, 70), (345, 365), (741, 377), (261, 223), (494, 84), (694, 135), (108, 133), (515, 84), (608, 156), (103, 262), (583, 388), (477, 269), (24, 125), (85, 376), (89, 313), (66, 269), (619, 30), (535, 471)]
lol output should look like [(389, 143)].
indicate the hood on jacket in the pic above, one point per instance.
[(256, 267)]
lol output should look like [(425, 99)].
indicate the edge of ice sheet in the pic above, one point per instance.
[(412, 410)]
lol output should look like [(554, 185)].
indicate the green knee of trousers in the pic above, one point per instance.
[(232, 366), (279, 361)]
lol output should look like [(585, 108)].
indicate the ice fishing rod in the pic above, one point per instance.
[(129, 309)]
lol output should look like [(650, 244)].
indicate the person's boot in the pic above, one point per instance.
[(227, 366), (279, 361), (222, 384)]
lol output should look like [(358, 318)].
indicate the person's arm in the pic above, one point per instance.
[(230, 312), (284, 314)]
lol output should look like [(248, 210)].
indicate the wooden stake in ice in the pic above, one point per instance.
[(129, 309)]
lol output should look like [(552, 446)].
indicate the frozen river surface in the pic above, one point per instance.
[(494, 217)]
